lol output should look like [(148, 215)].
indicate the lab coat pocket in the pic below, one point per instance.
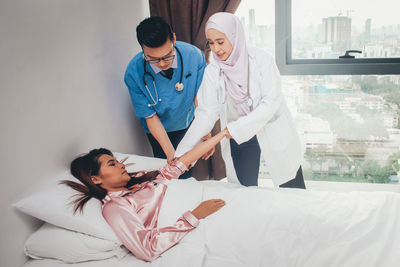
[(279, 133)]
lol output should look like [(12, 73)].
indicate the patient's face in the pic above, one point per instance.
[(219, 44), (112, 175)]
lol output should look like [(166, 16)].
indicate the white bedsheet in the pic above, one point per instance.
[(261, 227), (276, 227)]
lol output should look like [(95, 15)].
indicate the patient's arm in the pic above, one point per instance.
[(145, 243), (202, 148), (208, 207), (173, 171), (180, 165)]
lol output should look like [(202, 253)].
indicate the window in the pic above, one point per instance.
[(349, 124), (312, 34)]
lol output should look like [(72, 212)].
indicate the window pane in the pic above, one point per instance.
[(258, 19), (349, 126), (326, 29)]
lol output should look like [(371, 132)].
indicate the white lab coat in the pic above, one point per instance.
[(270, 119)]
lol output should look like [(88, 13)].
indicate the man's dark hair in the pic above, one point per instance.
[(153, 32)]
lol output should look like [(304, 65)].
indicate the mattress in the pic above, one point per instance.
[(274, 227)]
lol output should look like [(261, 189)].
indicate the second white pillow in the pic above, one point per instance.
[(53, 242)]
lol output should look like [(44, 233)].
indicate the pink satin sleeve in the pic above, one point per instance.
[(145, 243), (171, 172)]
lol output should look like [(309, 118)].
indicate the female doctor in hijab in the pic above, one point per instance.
[(242, 88)]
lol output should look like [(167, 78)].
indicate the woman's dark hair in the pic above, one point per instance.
[(88, 165), (153, 32)]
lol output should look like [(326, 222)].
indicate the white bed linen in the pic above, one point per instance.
[(53, 242), (128, 260), (277, 227), (293, 227)]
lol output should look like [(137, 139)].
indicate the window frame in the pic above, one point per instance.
[(289, 66)]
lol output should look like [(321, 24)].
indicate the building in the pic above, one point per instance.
[(316, 132), (336, 32), (367, 34)]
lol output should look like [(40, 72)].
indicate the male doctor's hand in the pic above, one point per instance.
[(170, 156)]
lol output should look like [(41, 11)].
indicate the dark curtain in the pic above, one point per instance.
[(188, 19)]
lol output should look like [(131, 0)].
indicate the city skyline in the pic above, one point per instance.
[(311, 12), (328, 39)]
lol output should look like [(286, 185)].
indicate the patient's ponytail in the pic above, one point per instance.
[(83, 168)]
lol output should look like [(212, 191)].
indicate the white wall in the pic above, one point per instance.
[(62, 93)]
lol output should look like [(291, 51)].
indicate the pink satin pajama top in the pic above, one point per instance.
[(133, 216)]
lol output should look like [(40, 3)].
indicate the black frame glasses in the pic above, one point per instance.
[(157, 60)]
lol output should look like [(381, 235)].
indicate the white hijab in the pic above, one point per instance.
[(235, 67)]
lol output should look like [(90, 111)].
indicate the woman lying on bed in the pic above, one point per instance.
[(132, 201)]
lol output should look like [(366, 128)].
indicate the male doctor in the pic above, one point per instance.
[(163, 81)]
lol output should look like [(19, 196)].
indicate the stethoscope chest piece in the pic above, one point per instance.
[(155, 103), (179, 86)]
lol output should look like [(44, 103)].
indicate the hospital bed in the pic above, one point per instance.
[(257, 227)]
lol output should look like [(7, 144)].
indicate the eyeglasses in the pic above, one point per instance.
[(157, 60)]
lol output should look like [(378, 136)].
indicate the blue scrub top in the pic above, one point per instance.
[(176, 110)]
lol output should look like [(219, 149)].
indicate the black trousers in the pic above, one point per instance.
[(246, 160), (175, 137), (297, 182)]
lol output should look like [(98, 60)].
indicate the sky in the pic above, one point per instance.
[(306, 12)]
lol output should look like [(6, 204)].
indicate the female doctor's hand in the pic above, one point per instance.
[(227, 134)]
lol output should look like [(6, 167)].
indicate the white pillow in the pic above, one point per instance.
[(51, 204), (50, 241)]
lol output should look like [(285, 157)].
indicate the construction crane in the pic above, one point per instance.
[(347, 11)]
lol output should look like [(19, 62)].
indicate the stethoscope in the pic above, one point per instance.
[(178, 86)]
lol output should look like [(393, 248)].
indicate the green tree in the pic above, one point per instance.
[(343, 165), (368, 84), (394, 161), (386, 88), (375, 173)]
